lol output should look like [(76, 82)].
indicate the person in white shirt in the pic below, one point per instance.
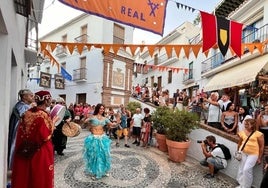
[(214, 110), (214, 156), (137, 123), (225, 99)]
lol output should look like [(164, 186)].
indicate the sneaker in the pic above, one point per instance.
[(208, 176), (117, 145), (135, 142), (127, 146), (138, 143), (107, 175)]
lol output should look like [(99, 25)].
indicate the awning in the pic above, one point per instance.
[(236, 76)]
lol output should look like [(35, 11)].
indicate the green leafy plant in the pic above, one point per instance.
[(159, 117), (132, 106), (180, 125), (176, 125)]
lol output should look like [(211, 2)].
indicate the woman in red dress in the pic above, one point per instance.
[(35, 131)]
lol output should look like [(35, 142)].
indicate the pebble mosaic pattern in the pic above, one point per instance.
[(134, 167)]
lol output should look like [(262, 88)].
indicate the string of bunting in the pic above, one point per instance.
[(47, 49), (186, 7), (143, 68)]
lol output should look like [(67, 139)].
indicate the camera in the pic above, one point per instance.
[(200, 141), (201, 100)]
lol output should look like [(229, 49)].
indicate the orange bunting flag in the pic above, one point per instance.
[(145, 14)]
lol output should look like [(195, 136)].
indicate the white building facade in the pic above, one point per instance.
[(189, 75), (97, 77), (229, 74)]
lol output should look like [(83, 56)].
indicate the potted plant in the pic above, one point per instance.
[(159, 117), (178, 127)]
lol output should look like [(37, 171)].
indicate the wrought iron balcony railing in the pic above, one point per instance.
[(61, 51), (80, 74), (82, 38), (257, 35)]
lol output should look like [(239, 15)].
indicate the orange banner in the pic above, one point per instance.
[(144, 14)]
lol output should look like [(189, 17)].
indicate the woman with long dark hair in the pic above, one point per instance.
[(97, 145), (146, 127), (229, 119)]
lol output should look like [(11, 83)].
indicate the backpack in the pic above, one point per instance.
[(226, 151)]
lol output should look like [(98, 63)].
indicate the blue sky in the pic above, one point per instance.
[(56, 14)]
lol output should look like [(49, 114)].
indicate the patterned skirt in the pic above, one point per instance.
[(97, 155)]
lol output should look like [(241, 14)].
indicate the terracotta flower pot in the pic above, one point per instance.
[(161, 141), (177, 150)]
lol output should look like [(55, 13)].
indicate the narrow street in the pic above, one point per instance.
[(134, 167)]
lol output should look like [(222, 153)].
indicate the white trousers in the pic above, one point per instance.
[(245, 170)]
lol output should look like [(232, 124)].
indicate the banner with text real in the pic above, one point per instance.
[(144, 14)]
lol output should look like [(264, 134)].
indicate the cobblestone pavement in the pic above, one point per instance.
[(134, 167)]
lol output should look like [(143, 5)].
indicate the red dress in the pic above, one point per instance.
[(37, 171)]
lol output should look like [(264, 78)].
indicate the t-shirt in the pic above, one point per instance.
[(252, 146), (217, 152), (223, 105), (137, 120), (214, 113)]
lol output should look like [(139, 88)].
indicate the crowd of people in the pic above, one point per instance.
[(34, 136), (31, 125), (221, 113)]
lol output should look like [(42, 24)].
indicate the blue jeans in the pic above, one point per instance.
[(215, 161)]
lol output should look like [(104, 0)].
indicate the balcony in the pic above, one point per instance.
[(163, 60), (80, 75), (61, 51), (82, 38), (257, 35), (188, 77)]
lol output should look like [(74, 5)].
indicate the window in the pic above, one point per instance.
[(119, 34), (81, 98), (252, 32), (83, 65), (152, 81), (84, 34), (83, 62), (63, 64), (156, 59), (159, 82), (191, 70), (64, 38), (145, 69), (169, 76)]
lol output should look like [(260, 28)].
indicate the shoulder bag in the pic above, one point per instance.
[(238, 154)]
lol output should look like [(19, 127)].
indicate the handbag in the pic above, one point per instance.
[(27, 149), (238, 154)]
